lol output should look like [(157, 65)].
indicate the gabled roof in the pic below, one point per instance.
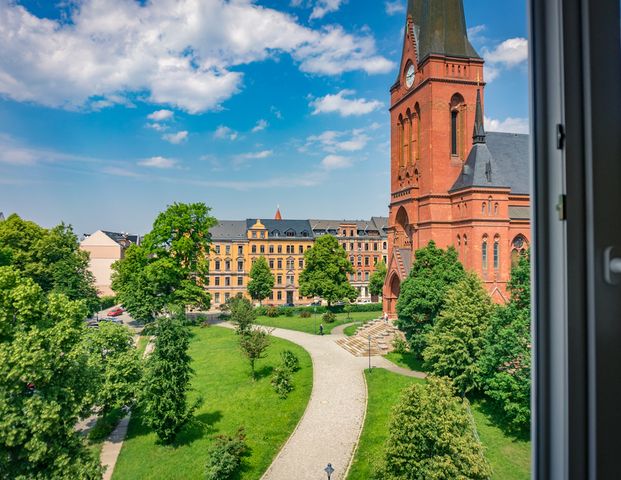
[(229, 230), (123, 239), (501, 162), (278, 228), (440, 28)]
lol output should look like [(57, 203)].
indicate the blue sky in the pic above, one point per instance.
[(112, 109)]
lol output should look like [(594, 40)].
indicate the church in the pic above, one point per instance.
[(450, 180)]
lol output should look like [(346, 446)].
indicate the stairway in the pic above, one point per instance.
[(382, 335)]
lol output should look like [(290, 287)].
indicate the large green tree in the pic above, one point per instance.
[(170, 268), (378, 277), (46, 382), (326, 271), (52, 258), (456, 341), (167, 380), (242, 314), (432, 437), (506, 362), (423, 293), (117, 362), (261, 280)]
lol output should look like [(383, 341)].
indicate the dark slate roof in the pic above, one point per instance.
[(440, 28), (501, 162), (229, 230), (375, 224), (278, 228), (123, 239), (406, 256), (381, 223), (519, 213)]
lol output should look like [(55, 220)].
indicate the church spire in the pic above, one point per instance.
[(278, 216), (440, 28), (478, 135)]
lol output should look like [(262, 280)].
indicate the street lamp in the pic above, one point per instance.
[(329, 470)]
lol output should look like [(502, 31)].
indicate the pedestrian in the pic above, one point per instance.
[(385, 317), (321, 329)]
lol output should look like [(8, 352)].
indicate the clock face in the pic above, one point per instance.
[(409, 76)]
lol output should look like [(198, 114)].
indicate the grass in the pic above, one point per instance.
[(143, 340), (311, 325), (509, 457), (351, 330), (231, 400), (406, 360)]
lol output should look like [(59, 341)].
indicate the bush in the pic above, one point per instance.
[(107, 302), (290, 360), (305, 314), (272, 312), (105, 425), (286, 311), (400, 345), (282, 382), (329, 317), (225, 456)]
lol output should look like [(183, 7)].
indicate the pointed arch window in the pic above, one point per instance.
[(418, 131), (496, 253), (454, 132), (457, 124), (407, 129), (484, 253), (401, 140)]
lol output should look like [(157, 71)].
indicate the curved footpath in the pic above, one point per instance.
[(330, 428)]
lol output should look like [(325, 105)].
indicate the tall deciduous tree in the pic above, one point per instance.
[(506, 363), (254, 344), (457, 339), (52, 258), (171, 267), (432, 436), (378, 277), (166, 381), (242, 314), (326, 270), (261, 280), (46, 382), (423, 293)]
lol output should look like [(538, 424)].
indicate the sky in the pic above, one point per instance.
[(110, 110)]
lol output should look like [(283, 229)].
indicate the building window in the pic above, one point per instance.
[(375, 247), (217, 297), (301, 249), (366, 261), (290, 233), (351, 233), (366, 276), (290, 280), (240, 281), (359, 276), (262, 248), (217, 265), (518, 248), (272, 264), (216, 281), (217, 248), (271, 297), (271, 248), (254, 249), (290, 264), (458, 243), (240, 266), (453, 132), (301, 264), (262, 234), (228, 249), (484, 253), (279, 248), (254, 234), (359, 260), (384, 245), (227, 265), (407, 133), (483, 207), (227, 281), (227, 296), (489, 206), (351, 277), (279, 264), (457, 127), (279, 295), (496, 253), (418, 130), (279, 279), (240, 250)]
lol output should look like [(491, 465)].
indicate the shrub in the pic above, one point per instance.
[(260, 311), (272, 312), (287, 311), (225, 456), (290, 360), (281, 381), (400, 345), (305, 314), (107, 302), (329, 317)]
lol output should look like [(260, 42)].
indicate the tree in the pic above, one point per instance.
[(166, 381), (378, 277), (254, 344), (242, 314), (423, 293), (506, 362), (52, 258), (171, 267), (432, 437), (46, 382), (326, 270), (113, 355), (457, 339), (261, 280)]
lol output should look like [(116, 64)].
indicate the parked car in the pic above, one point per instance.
[(115, 312), (315, 304), (362, 301), (111, 319), (92, 323), (288, 305)]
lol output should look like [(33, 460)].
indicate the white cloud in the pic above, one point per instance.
[(344, 106), (509, 124), (334, 141), (255, 155), (277, 113), (508, 54), (158, 127), (394, 7), (181, 53), (475, 33), (224, 132), (335, 162), (13, 152), (261, 125), (120, 172), (323, 7), (161, 115), (158, 162), (176, 138)]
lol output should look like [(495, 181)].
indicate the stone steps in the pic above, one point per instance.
[(382, 336)]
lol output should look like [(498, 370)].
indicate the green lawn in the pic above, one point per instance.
[(143, 340), (311, 325), (406, 360), (231, 400), (510, 458), (351, 330)]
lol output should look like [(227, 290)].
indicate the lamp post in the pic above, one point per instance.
[(329, 470), (315, 321)]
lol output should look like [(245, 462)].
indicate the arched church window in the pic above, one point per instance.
[(484, 253), (489, 206), (519, 245), (458, 242), (401, 140), (457, 128), (496, 253), (496, 209), (483, 208), (405, 137), (418, 131), (408, 138)]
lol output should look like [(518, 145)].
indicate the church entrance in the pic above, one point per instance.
[(393, 294)]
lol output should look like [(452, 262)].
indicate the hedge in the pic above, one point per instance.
[(290, 311)]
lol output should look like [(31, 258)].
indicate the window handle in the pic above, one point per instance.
[(612, 267)]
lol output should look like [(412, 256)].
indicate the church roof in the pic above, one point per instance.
[(503, 161), (440, 28)]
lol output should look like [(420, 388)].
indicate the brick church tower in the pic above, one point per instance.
[(436, 117)]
